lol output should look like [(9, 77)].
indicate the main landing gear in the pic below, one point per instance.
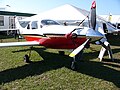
[(27, 56)]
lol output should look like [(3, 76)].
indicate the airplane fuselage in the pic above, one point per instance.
[(54, 37), (57, 42)]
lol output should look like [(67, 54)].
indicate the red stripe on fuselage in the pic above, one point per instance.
[(57, 42)]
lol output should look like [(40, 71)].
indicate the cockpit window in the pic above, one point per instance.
[(49, 22), (118, 26), (24, 23), (34, 25)]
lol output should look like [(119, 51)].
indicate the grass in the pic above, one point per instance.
[(52, 71)]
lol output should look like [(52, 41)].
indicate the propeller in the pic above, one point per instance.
[(93, 16), (89, 33), (77, 50), (103, 41)]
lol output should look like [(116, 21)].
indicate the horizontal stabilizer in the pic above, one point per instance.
[(13, 44)]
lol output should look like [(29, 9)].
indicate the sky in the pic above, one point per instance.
[(104, 7)]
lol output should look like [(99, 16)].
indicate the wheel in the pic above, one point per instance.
[(26, 59)]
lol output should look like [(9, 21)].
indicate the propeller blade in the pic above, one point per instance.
[(77, 50), (93, 16)]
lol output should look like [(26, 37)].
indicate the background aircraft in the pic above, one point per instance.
[(51, 34)]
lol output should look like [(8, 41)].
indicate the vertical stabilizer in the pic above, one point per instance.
[(110, 17)]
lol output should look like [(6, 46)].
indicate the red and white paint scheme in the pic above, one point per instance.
[(51, 34)]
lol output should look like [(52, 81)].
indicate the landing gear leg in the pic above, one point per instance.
[(27, 56), (75, 60), (73, 65)]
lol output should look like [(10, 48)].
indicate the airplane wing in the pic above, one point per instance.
[(13, 44), (9, 29)]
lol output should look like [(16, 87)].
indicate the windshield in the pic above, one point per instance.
[(49, 22)]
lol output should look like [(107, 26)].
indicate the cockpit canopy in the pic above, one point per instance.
[(36, 24), (49, 22)]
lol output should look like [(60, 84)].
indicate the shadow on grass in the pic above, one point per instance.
[(114, 40), (101, 71), (52, 61), (5, 36), (116, 50)]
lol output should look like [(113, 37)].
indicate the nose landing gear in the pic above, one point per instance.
[(74, 65)]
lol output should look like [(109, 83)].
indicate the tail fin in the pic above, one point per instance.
[(110, 17)]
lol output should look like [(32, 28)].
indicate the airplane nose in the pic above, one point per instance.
[(94, 35)]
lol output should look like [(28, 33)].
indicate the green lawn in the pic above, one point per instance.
[(50, 70)]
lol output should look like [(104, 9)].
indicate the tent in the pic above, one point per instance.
[(65, 12)]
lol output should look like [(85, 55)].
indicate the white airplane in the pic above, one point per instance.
[(51, 34)]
